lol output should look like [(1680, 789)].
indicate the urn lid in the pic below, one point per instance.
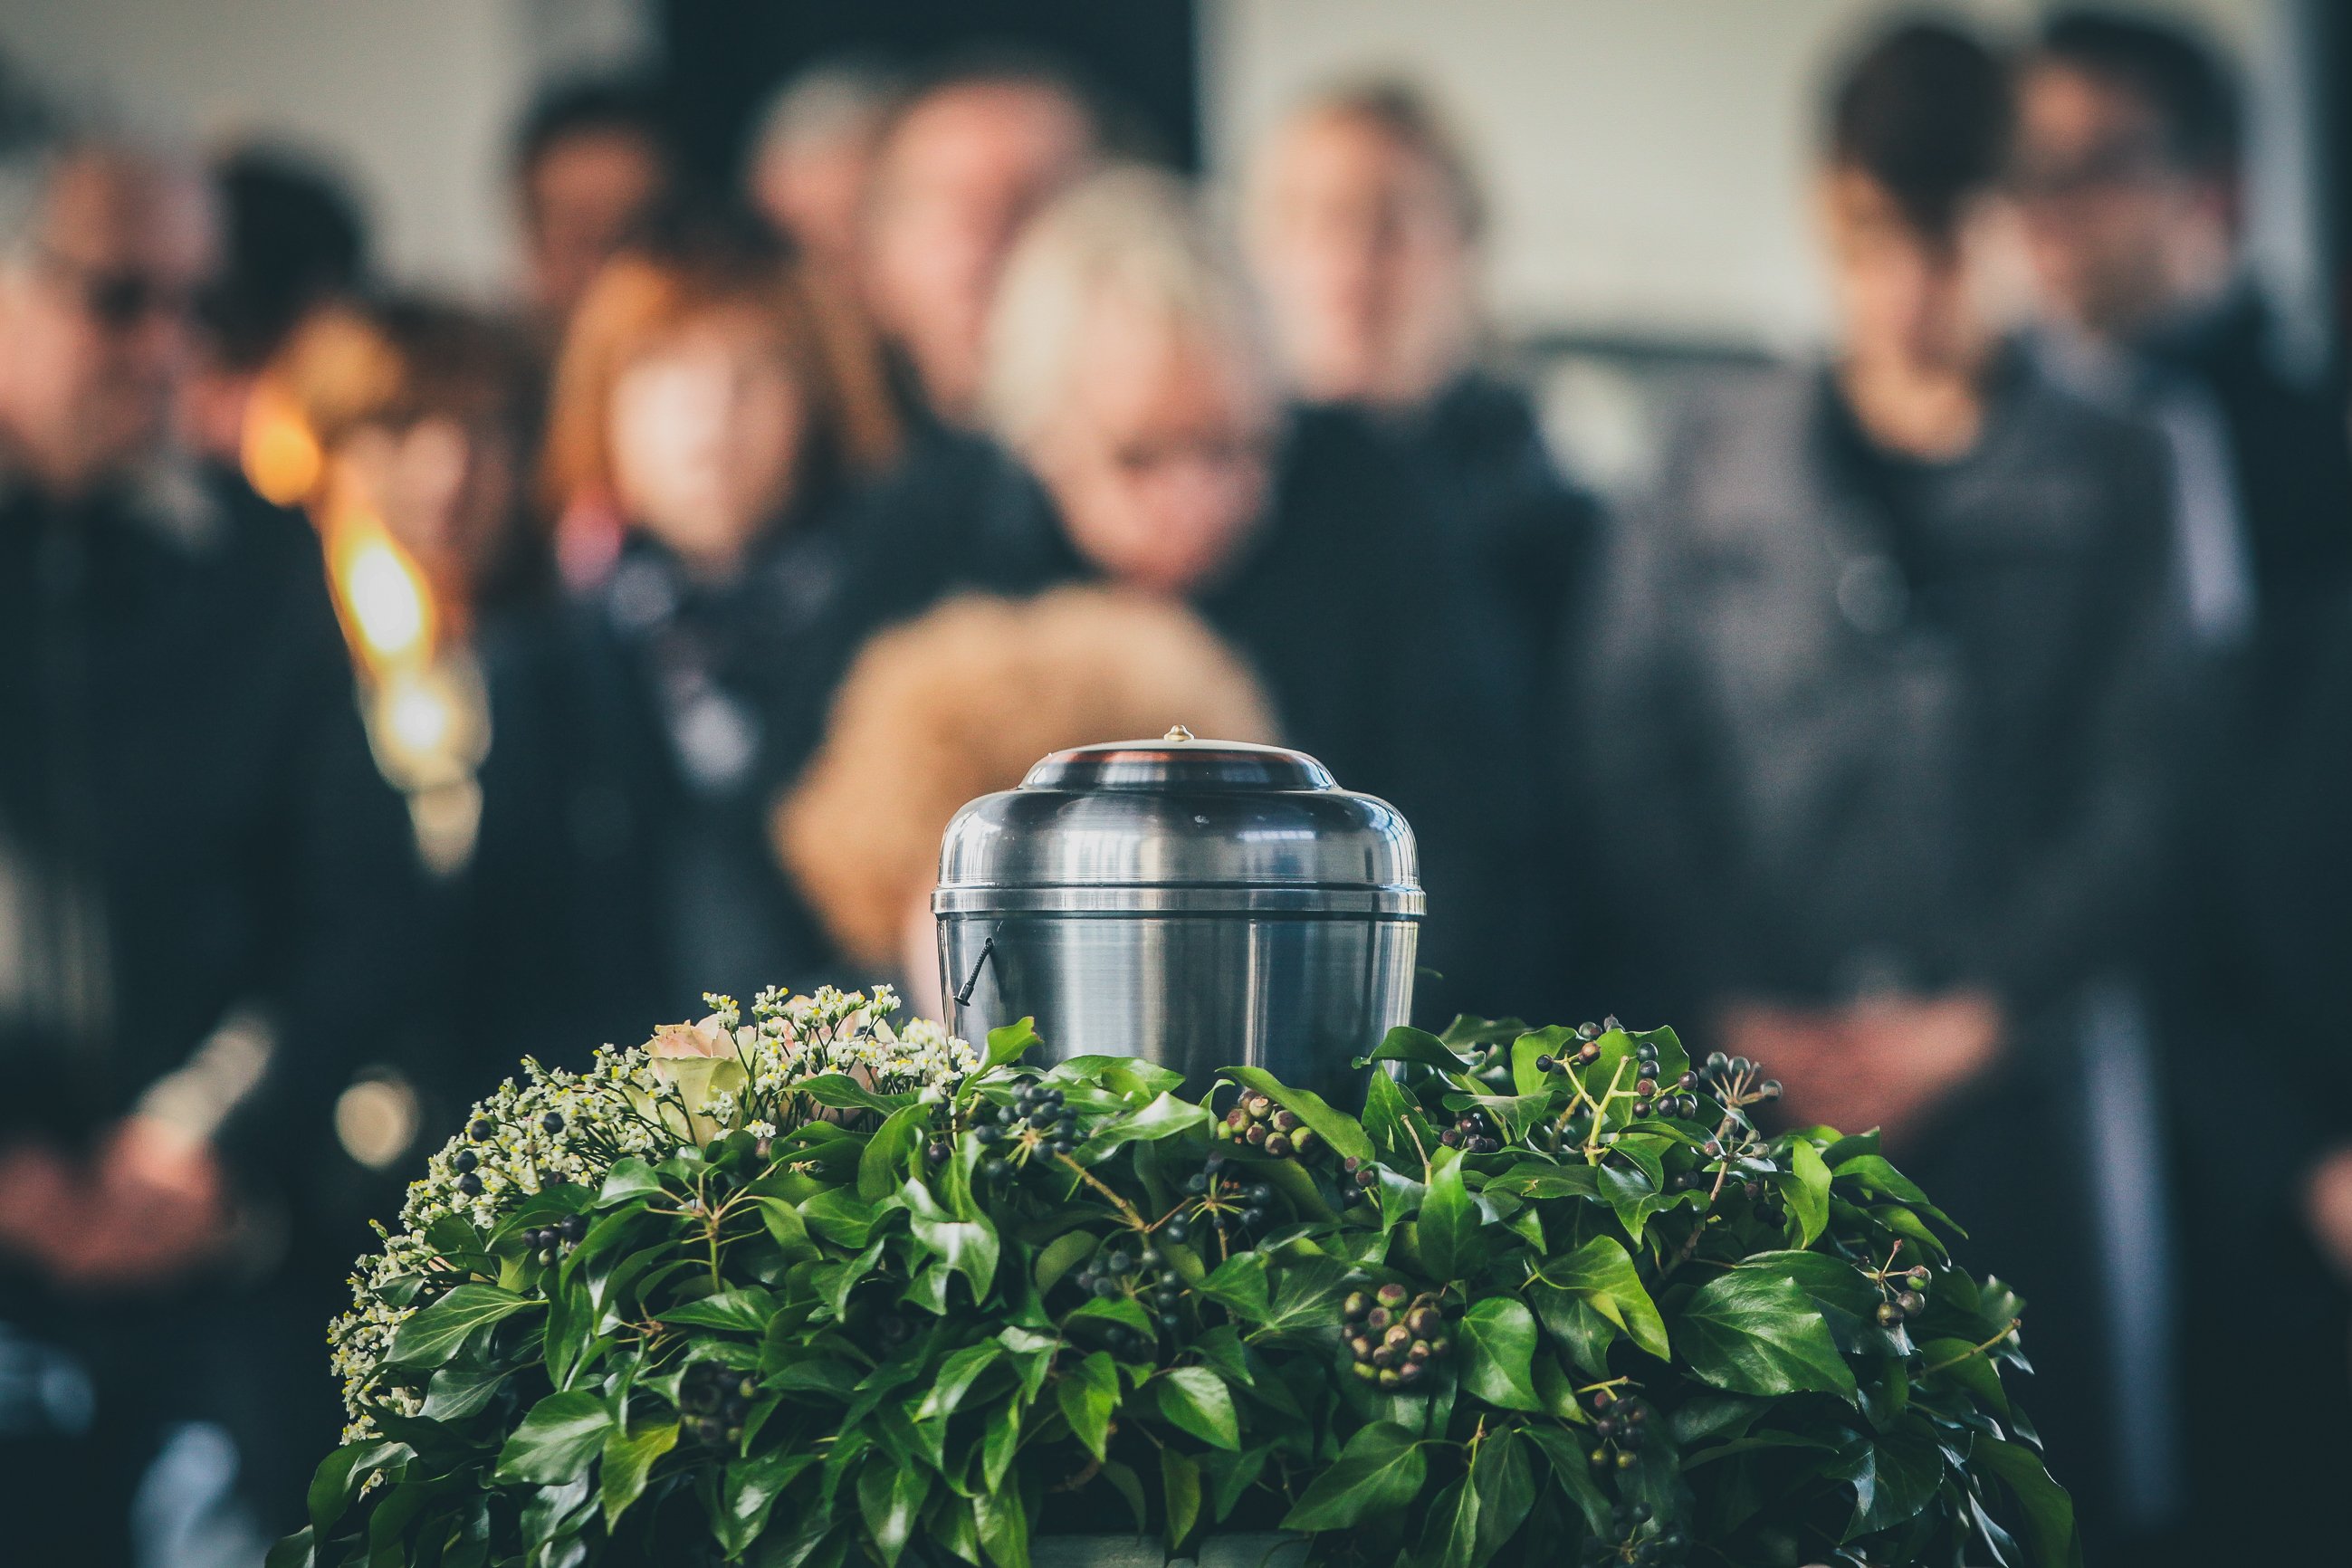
[(1179, 824)]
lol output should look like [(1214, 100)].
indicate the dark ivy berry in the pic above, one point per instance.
[(1889, 1314), (552, 1121), (1911, 1302), (1611, 1022), (938, 1153), (993, 1168), (1174, 1232), (1588, 1031), (470, 1184), (1547, 1062), (574, 1227), (465, 1160), (1065, 1146), (481, 1129)]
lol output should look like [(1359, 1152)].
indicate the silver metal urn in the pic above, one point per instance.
[(1197, 903)]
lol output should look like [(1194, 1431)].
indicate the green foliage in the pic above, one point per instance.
[(1522, 1311)]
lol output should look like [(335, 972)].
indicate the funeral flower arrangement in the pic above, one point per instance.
[(804, 1290)]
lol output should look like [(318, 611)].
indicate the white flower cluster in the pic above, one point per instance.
[(559, 1126)]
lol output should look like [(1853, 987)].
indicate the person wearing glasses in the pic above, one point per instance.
[(2130, 173), (198, 875)]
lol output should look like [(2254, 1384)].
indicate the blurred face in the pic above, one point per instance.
[(445, 489), (1361, 251), (1910, 304), (961, 173), (2118, 235), (814, 190), (706, 434), (94, 320), (1159, 463), (585, 196)]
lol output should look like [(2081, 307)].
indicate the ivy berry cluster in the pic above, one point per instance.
[(713, 1401), (1395, 1335), (1039, 1119), (1255, 1119)]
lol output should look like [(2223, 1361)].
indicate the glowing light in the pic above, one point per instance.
[(279, 453), (384, 596)]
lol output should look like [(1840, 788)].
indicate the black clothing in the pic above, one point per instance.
[(2254, 960), (1858, 722), (1372, 635), (190, 820), (641, 732), (1533, 535), (1839, 746)]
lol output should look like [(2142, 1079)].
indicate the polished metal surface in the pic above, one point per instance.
[(1198, 903)]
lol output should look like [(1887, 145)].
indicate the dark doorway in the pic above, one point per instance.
[(725, 57)]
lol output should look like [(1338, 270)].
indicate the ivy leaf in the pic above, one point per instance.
[(1180, 1482), (1957, 1361), (1087, 1394), (1499, 1341), (1758, 1332), (1573, 1472), (1003, 1520), (628, 1461), (1007, 1044), (1873, 1174), (1893, 1476), (2048, 1512), (433, 1335), (557, 1439), (1165, 1117), (1239, 1285), (1554, 1042), (745, 1309), (463, 1387), (1306, 1296), (891, 1495), (1450, 1243), (1342, 1131), (1502, 1479), (1379, 1471), (955, 1377), (966, 1246), (890, 1156), (341, 1474), (1197, 1399), (1601, 1274), (630, 1177), (1405, 1044), (748, 1491), (1807, 1190), (1388, 1113)]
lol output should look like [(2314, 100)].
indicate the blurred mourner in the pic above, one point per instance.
[(593, 165), (811, 164), (958, 703), (292, 239), (1124, 371), (641, 727), (1880, 732), (1366, 222), (2129, 165), (968, 157), (201, 882)]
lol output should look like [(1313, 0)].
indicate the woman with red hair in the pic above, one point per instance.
[(705, 437)]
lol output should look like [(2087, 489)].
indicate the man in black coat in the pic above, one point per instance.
[(2129, 164), (200, 875)]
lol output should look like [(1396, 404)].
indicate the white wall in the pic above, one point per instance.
[(411, 99), (1647, 159)]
